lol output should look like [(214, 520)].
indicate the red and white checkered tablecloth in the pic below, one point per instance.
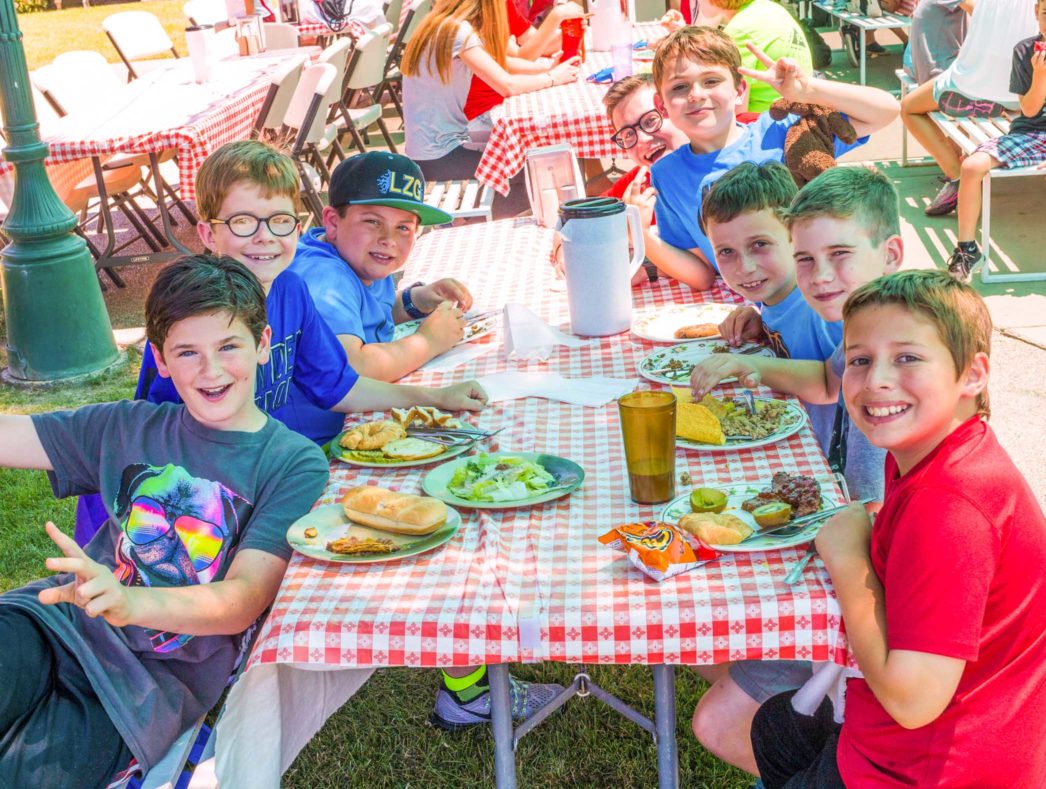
[(166, 109), (534, 584), (353, 28), (571, 113)]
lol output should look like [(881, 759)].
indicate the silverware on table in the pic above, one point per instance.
[(796, 525), (796, 572)]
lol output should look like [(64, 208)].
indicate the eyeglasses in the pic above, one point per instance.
[(627, 136), (246, 225)]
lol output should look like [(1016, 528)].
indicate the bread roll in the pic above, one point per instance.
[(399, 513), (372, 435), (715, 528), (404, 449)]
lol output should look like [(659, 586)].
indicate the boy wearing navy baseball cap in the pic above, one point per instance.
[(377, 206)]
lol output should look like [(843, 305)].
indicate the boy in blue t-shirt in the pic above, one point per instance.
[(376, 208), (698, 75), (742, 215), (135, 636)]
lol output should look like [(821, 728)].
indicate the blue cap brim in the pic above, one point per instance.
[(426, 214)]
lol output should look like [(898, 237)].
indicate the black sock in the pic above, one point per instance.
[(969, 247)]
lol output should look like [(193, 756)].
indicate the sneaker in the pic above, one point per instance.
[(957, 105), (527, 698), (964, 261), (852, 44), (945, 201), (874, 48)]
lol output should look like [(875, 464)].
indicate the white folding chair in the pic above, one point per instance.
[(75, 81), (393, 9), (280, 36), (207, 12), (318, 89), (364, 73), (278, 99), (392, 81), (137, 35)]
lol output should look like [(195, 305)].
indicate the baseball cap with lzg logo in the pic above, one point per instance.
[(382, 178)]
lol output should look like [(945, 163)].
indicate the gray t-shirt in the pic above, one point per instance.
[(182, 499), (862, 463), (434, 112), (937, 31)]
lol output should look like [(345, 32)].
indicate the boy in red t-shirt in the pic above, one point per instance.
[(944, 600)]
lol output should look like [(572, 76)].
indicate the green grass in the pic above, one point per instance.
[(49, 33)]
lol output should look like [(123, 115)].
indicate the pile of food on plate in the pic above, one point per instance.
[(714, 420), (697, 331), (386, 440), (388, 511), (789, 496), (501, 478)]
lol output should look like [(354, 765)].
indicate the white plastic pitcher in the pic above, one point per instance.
[(595, 233)]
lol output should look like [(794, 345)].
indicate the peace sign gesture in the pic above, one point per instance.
[(94, 589), (784, 75)]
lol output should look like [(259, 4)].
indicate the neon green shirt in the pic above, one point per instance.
[(771, 28)]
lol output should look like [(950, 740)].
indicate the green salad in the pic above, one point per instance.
[(503, 478)]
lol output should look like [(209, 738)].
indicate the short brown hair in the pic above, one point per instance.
[(624, 88), (955, 309), (850, 192), (747, 188), (245, 161), (202, 285), (699, 45), (729, 5)]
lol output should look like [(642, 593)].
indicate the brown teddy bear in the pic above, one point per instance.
[(809, 147)]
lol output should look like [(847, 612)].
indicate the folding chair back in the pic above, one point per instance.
[(367, 67), (392, 12), (75, 80), (278, 99), (337, 55), (207, 12), (318, 88), (136, 35), (280, 35), (411, 23)]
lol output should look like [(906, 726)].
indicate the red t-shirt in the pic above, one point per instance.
[(960, 548), (481, 96), (617, 189)]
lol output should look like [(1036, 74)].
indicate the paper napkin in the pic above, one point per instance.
[(528, 338), (457, 356), (592, 392)]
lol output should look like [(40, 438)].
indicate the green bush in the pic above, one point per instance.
[(29, 6)]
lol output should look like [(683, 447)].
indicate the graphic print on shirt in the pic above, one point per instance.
[(775, 342), (274, 378), (176, 530)]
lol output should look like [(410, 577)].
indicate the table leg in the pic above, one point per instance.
[(665, 726), (161, 205), (864, 53), (501, 725)]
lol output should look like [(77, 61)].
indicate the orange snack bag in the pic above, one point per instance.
[(660, 550)]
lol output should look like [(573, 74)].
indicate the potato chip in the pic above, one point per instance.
[(695, 422)]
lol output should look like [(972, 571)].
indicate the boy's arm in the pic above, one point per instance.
[(869, 109), (913, 687), (390, 361), (1032, 101), (810, 381), (20, 445), (225, 607), (546, 39), (370, 395)]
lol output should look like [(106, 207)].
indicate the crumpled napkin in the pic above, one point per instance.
[(829, 679), (592, 392), (528, 338)]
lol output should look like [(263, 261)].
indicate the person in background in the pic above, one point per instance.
[(937, 32)]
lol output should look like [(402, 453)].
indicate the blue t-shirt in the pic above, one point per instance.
[(346, 304), (682, 177), (796, 331), (307, 372), (863, 463)]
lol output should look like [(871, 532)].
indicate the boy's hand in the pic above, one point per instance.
[(444, 327), (711, 370), (643, 199), (784, 75), (95, 589), (467, 396), (569, 10), (845, 536), (1038, 65), (742, 325), (672, 20), (428, 297)]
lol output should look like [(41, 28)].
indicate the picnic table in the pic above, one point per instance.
[(572, 113), (839, 10), (529, 584)]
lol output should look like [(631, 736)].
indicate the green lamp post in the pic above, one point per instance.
[(57, 325)]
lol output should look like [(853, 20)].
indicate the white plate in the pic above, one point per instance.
[(655, 366), (660, 325), (475, 329), (330, 523), (792, 421), (737, 495)]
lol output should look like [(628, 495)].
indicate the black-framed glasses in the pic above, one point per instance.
[(246, 225), (626, 137)]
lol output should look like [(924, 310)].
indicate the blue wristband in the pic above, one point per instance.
[(408, 304)]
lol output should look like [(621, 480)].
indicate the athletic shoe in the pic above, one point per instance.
[(963, 262), (946, 200), (527, 698), (852, 44), (959, 106), (874, 48)]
